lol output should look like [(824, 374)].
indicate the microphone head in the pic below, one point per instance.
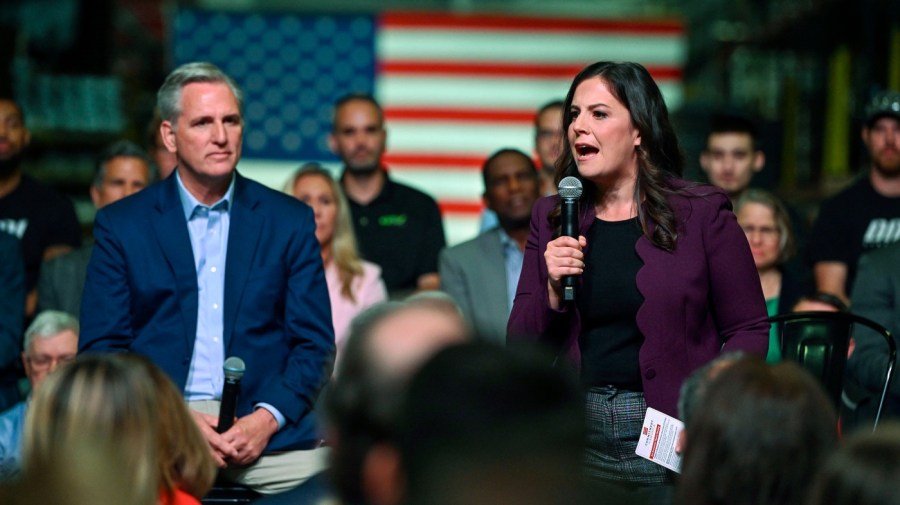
[(570, 188), (234, 368)]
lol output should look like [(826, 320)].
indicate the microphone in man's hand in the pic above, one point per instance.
[(234, 371), (570, 190)]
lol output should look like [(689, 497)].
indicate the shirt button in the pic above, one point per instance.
[(651, 373), (212, 269), (215, 306), (364, 221), (215, 339)]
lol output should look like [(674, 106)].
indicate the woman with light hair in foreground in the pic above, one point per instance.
[(135, 414)]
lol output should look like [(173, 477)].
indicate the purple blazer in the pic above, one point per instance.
[(701, 299)]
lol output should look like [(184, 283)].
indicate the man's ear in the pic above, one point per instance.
[(332, 143), (167, 132), (759, 160), (95, 196), (383, 481)]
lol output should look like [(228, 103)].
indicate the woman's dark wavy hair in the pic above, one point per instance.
[(659, 155)]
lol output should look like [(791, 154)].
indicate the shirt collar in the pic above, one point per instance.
[(189, 203), (506, 241)]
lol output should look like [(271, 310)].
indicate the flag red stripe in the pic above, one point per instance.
[(410, 160), (459, 207), (502, 69), (425, 20), (439, 114)]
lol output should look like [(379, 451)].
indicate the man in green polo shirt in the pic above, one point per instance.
[(397, 227)]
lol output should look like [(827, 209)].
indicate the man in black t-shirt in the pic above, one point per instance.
[(43, 220), (866, 215), (397, 227)]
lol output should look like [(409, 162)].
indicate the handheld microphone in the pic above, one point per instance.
[(570, 190), (234, 371)]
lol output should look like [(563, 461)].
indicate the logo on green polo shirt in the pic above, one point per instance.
[(392, 220)]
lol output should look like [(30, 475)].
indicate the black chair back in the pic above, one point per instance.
[(818, 341)]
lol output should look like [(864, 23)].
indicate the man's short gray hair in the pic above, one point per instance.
[(50, 323), (168, 99), (122, 149)]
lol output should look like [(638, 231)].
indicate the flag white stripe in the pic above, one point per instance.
[(394, 90), (458, 138), (531, 47), (456, 185)]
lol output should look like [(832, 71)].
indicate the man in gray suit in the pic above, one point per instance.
[(876, 295), (121, 169), (482, 274)]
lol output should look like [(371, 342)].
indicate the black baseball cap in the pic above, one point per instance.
[(885, 103)]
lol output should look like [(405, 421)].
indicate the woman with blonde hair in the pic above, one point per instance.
[(127, 401), (353, 284)]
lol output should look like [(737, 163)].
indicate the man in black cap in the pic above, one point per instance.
[(866, 215)]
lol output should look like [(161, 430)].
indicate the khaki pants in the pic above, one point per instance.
[(273, 472)]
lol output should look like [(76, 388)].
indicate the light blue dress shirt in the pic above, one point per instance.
[(208, 227), (512, 259), (12, 422)]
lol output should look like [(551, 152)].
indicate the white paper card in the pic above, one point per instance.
[(658, 438)]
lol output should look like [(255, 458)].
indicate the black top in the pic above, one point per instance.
[(39, 217), (853, 222), (400, 231), (608, 302)]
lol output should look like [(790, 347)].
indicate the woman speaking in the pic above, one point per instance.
[(664, 276)]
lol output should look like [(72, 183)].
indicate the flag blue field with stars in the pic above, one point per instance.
[(291, 68)]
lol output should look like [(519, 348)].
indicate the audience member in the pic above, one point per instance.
[(548, 143), (398, 228), (122, 169), (114, 397), (759, 435), (671, 287), (731, 156), (387, 344), (43, 220), (693, 389), (50, 340), (768, 228), (866, 215), (864, 470), (184, 461), (876, 295), (159, 284), (12, 310), (484, 425), (85, 471), (164, 159), (548, 135), (353, 284), (482, 274)]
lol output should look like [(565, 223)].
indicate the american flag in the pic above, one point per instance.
[(454, 88)]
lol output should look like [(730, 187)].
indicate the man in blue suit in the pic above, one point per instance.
[(208, 264)]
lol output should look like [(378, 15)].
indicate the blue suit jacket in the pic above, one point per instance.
[(141, 296)]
